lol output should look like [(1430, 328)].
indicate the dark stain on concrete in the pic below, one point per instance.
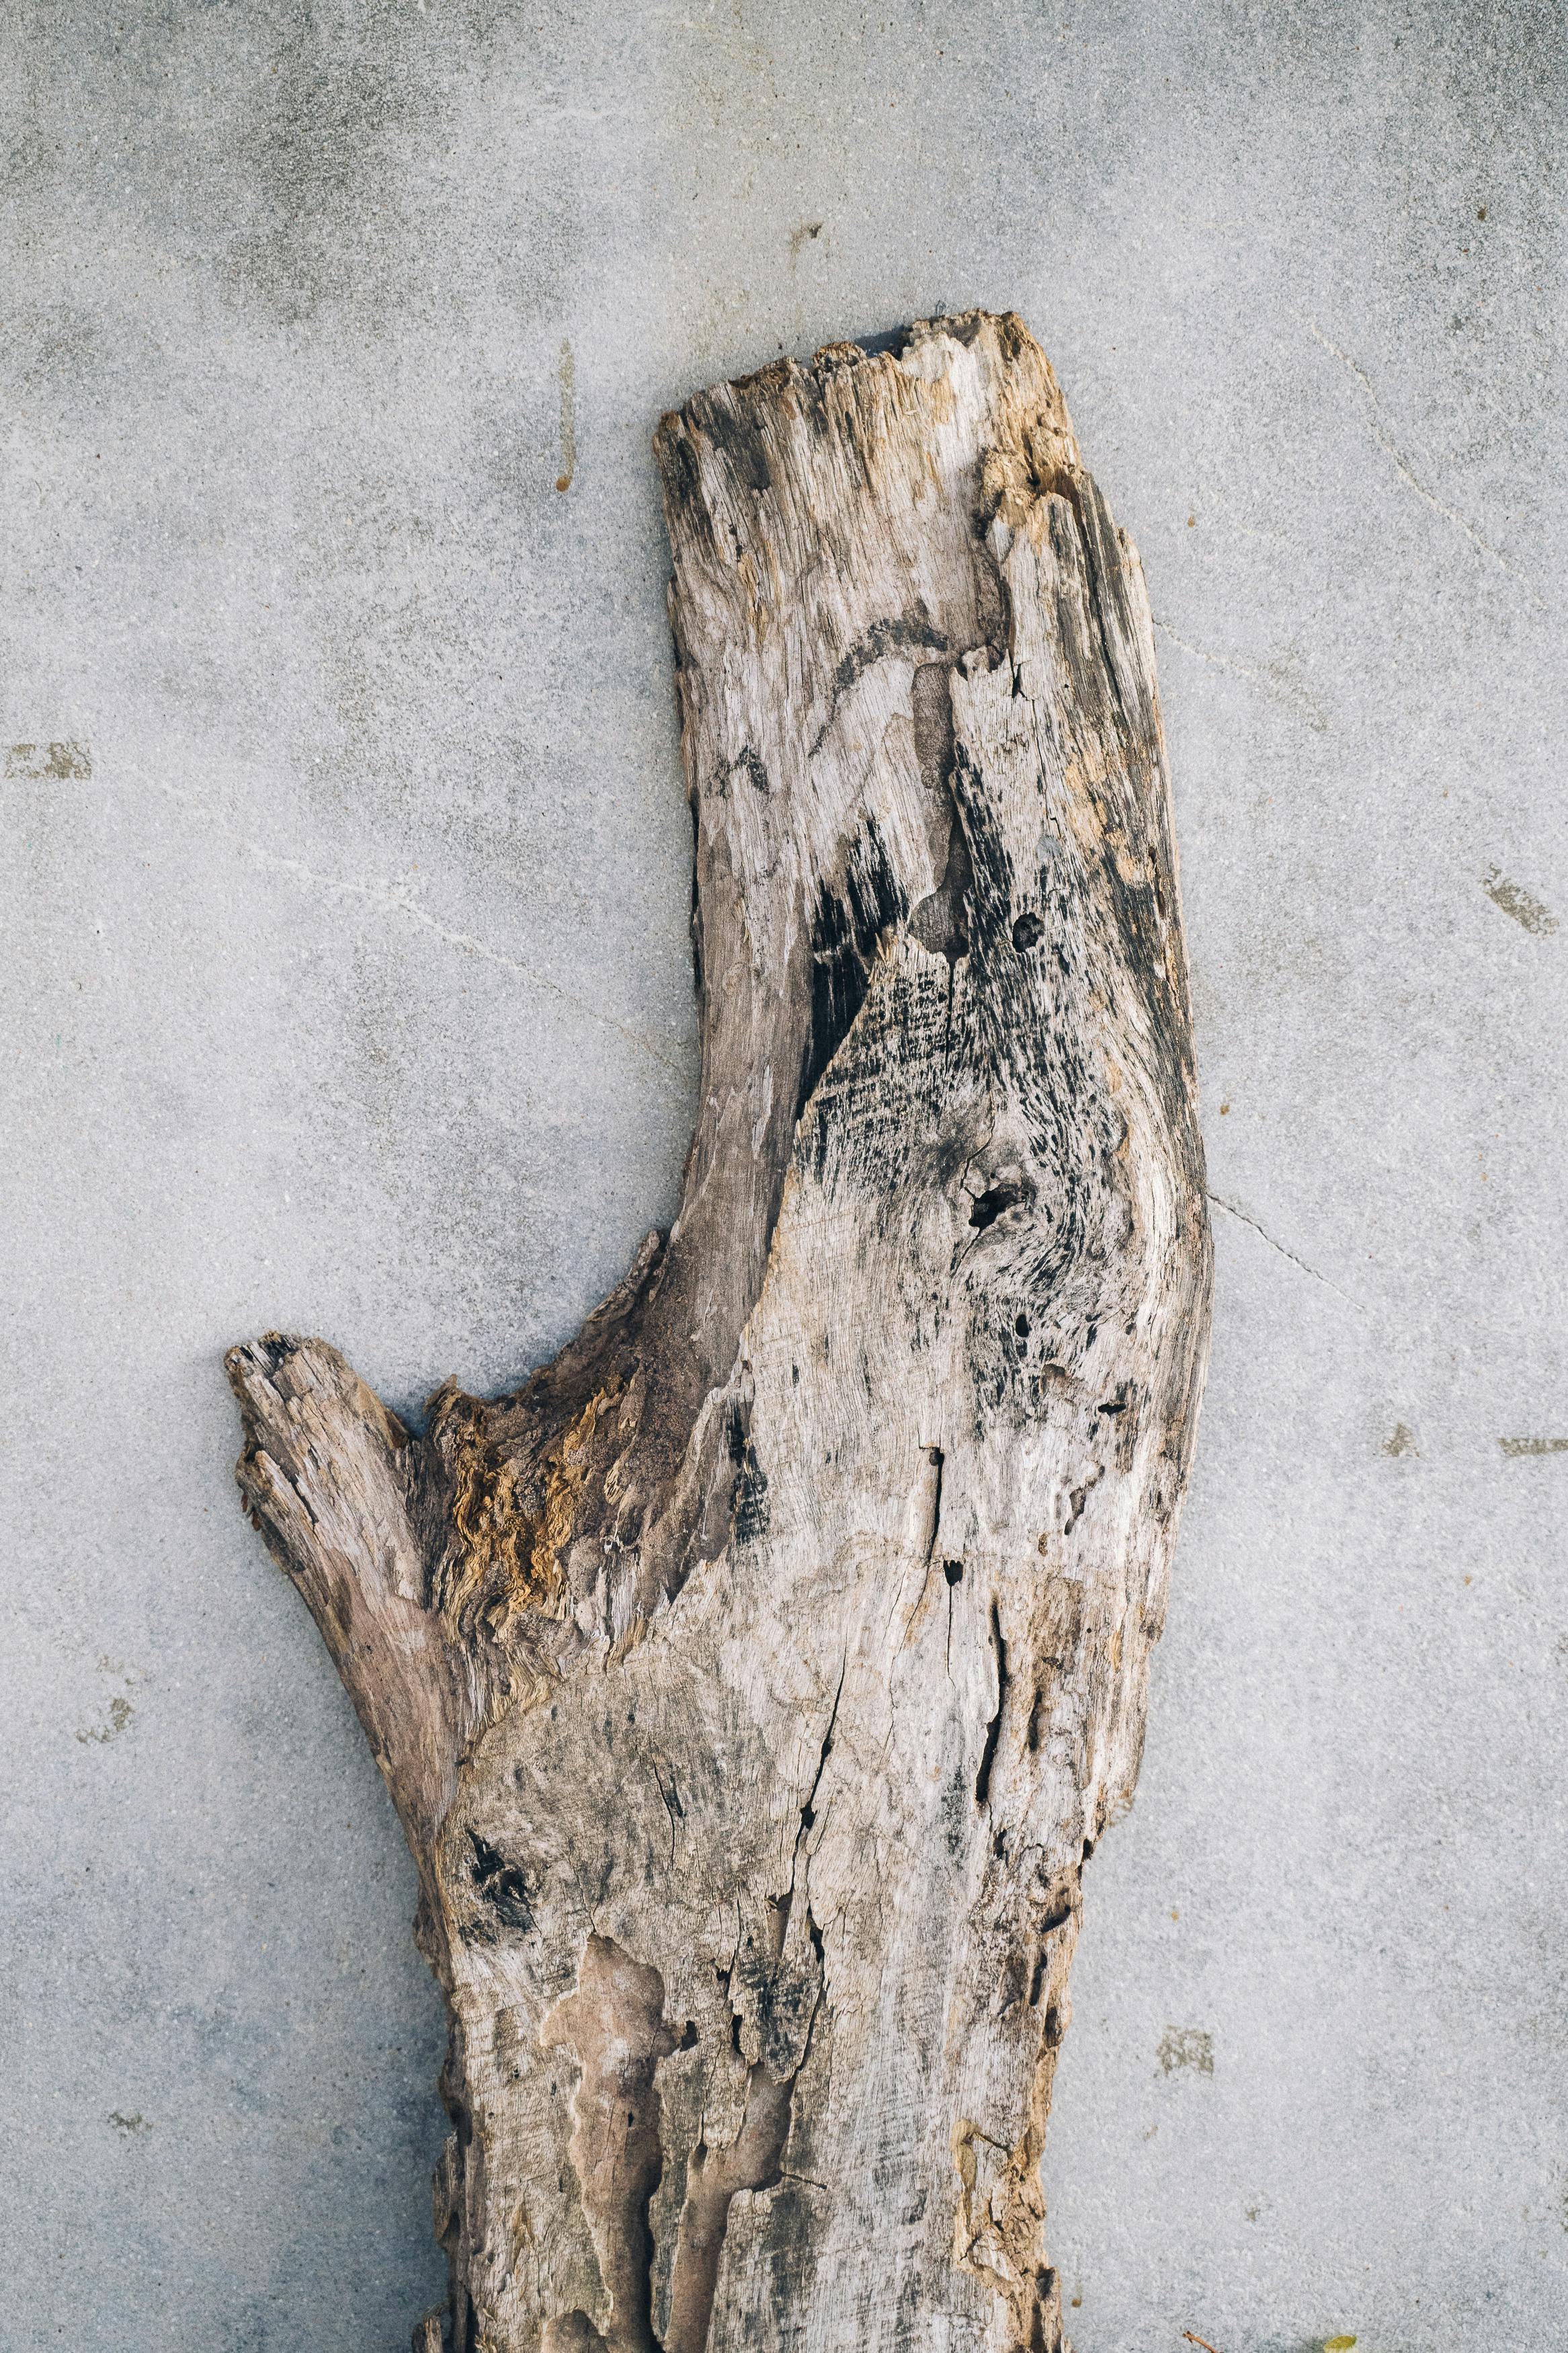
[(1186, 2046), (348, 146), (53, 762), (1526, 910), (119, 1715)]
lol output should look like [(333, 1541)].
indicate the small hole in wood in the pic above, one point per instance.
[(989, 1205)]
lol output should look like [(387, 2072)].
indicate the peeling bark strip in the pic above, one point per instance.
[(754, 1682)]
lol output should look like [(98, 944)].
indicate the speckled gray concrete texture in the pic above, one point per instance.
[(345, 898)]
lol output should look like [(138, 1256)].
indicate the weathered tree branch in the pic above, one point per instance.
[(754, 1682)]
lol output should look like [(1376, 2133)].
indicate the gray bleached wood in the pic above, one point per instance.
[(754, 1682)]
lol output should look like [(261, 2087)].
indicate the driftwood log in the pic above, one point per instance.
[(754, 1682)]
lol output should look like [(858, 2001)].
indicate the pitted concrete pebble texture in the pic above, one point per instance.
[(346, 888)]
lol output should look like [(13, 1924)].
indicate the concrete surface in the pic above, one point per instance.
[(344, 935)]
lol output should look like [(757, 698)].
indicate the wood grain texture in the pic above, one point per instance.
[(754, 1683)]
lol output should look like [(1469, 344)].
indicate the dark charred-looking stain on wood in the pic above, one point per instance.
[(902, 633), (682, 477), (749, 1494), (751, 1500), (846, 926), (503, 1886), (732, 427)]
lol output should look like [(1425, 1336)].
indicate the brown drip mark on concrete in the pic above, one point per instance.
[(568, 418)]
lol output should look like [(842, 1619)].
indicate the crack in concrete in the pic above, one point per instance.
[(400, 898), (1407, 473), (1276, 677), (1221, 1203)]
